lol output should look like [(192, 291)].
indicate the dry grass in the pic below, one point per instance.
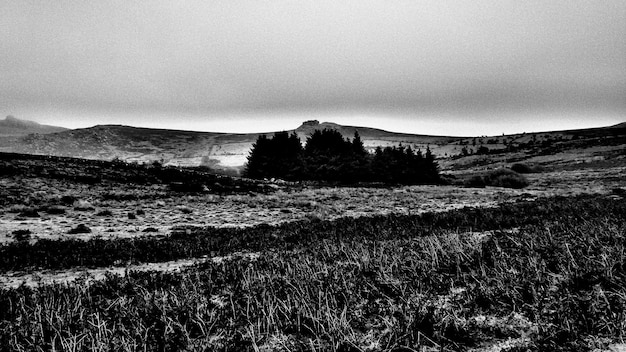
[(110, 220), (556, 285)]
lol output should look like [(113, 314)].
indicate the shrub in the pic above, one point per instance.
[(506, 178), (69, 200), (498, 178), (29, 213), (55, 210), (185, 210), (119, 196), (192, 187), (475, 181), (619, 191), (17, 208), (82, 228), (8, 169), (525, 168), (105, 212), (21, 235)]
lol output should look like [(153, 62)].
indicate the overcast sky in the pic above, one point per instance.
[(438, 67)]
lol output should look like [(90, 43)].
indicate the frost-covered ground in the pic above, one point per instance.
[(114, 210)]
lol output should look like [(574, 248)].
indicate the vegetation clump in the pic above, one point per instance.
[(104, 212), (327, 156), (81, 228), (22, 235), (522, 168), (101, 171), (498, 178), (29, 213), (506, 178), (55, 210)]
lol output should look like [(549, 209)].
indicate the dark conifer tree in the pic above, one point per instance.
[(258, 159), (359, 163), (431, 168), (327, 156), (278, 157)]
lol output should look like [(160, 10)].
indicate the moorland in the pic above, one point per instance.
[(103, 255)]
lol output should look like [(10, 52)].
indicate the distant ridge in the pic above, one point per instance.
[(227, 152), (310, 126), (12, 126), (619, 125)]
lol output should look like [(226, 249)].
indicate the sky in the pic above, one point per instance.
[(444, 67)]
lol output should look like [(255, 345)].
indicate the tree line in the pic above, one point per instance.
[(327, 156)]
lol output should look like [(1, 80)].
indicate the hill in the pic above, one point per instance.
[(12, 126), (227, 152)]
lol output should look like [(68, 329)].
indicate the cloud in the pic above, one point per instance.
[(219, 57)]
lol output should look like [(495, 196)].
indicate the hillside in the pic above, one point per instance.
[(12, 126), (227, 152)]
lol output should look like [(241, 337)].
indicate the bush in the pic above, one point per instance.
[(506, 178), (8, 169), (619, 191), (55, 210), (525, 168), (82, 228), (22, 235), (475, 181), (498, 178), (105, 212), (191, 187), (29, 213), (68, 200)]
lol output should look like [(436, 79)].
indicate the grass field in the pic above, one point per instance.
[(547, 275), (234, 265)]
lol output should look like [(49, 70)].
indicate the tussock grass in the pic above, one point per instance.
[(197, 242), (556, 284), (505, 178)]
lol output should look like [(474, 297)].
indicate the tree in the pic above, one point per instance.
[(278, 157), (431, 168), (258, 159), (359, 168), (327, 155)]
